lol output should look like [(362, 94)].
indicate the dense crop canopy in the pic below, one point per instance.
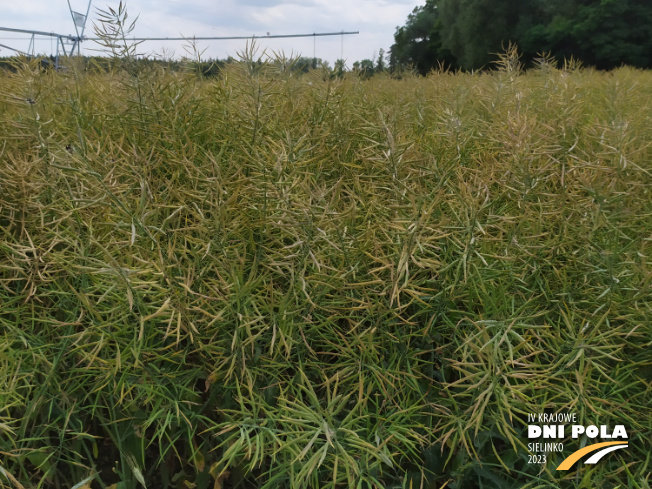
[(275, 280)]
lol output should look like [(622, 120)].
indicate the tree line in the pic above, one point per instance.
[(466, 34), (205, 67)]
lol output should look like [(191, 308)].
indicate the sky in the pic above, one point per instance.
[(376, 20)]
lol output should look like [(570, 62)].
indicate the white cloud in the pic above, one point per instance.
[(375, 19)]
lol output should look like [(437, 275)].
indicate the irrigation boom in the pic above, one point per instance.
[(79, 20), (228, 38)]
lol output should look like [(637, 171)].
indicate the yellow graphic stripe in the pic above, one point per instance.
[(575, 456)]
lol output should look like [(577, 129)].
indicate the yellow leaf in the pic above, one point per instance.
[(198, 458), (220, 478)]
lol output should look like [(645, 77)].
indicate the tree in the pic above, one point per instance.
[(364, 67), (475, 30), (418, 43), (339, 68), (304, 65), (458, 33), (601, 33), (380, 62), (468, 33)]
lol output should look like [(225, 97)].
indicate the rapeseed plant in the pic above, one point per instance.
[(273, 280)]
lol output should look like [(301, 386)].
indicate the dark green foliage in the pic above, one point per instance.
[(604, 34), (476, 30), (364, 68), (303, 65), (419, 44), (468, 33)]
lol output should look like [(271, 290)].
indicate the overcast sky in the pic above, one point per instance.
[(375, 19)]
